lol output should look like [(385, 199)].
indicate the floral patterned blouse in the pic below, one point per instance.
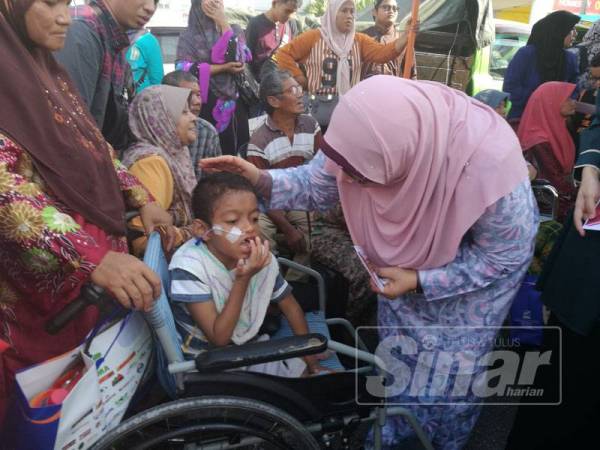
[(47, 252), (474, 290)]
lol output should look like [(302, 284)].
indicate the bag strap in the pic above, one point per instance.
[(139, 82), (97, 328)]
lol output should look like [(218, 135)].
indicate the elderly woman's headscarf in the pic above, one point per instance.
[(492, 97), (542, 122), (591, 41), (439, 158), (42, 112), (548, 36), (153, 118), (340, 43)]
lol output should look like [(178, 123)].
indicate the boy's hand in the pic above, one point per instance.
[(260, 257)]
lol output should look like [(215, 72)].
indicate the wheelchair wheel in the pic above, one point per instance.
[(210, 423)]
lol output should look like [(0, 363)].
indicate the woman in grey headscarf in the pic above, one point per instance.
[(591, 43), (163, 126)]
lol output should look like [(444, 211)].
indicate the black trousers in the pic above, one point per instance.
[(236, 135), (575, 422)]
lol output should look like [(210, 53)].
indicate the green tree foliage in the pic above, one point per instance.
[(317, 7)]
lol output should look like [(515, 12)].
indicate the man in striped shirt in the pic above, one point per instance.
[(288, 138)]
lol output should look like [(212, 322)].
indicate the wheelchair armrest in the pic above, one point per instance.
[(235, 356)]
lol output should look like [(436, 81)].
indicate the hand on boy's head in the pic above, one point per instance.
[(231, 164), (260, 257)]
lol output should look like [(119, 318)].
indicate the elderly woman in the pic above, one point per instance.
[(591, 43), (445, 214), (163, 126), (215, 52), (334, 54), (546, 46), (62, 197)]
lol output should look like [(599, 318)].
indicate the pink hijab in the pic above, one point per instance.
[(542, 122), (339, 43), (440, 158)]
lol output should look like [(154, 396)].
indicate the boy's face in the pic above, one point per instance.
[(195, 101), (234, 209)]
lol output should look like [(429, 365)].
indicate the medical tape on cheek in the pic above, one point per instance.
[(232, 235)]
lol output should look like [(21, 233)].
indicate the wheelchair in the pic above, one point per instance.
[(215, 406)]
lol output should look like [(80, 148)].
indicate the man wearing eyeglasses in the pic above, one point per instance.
[(385, 14), (288, 138)]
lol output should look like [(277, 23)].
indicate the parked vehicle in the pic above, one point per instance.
[(490, 63), (168, 38)]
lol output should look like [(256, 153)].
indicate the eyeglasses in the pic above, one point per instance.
[(389, 8), (295, 90)]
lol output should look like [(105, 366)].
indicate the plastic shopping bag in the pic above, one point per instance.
[(112, 370)]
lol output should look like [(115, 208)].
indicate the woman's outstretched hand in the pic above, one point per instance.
[(398, 281), (587, 198), (232, 164)]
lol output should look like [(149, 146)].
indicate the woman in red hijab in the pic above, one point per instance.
[(546, 140), (62, 197)]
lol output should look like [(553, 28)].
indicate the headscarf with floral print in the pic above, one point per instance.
[(591, 41), (153, 117), (42, 112)]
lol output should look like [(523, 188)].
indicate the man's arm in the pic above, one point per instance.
[(82, 57)]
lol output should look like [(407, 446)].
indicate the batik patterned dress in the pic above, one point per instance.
[(475, 289), (47, 252)]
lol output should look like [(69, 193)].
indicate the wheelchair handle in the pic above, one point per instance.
[(90, 295)]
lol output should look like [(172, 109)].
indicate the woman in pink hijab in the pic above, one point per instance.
[(434, 188)]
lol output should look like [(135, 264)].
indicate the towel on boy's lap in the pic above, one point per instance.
[(198, 276)]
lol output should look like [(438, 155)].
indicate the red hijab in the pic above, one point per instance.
[(542, 122), (42, 112)]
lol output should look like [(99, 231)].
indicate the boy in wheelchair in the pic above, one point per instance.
[(225, 279)]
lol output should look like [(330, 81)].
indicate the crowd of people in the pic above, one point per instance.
[(435, 186)]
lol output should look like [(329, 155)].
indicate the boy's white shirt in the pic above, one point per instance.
[(197, 259)]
